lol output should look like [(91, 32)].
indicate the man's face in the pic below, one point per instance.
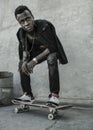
[(26, 21)]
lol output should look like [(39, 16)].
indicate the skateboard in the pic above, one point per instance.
[(23, 106)]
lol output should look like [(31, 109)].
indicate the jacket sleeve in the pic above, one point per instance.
[(61, 53), (20, 49)]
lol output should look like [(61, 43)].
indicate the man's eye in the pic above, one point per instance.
[(27, 19), (22, 21)]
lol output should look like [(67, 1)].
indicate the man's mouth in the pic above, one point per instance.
[(29, 28)]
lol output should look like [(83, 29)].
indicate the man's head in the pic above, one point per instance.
[(25, 18)]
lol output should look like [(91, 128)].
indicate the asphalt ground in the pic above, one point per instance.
[(75, 118)]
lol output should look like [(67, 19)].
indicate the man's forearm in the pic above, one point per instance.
[(42, 55)]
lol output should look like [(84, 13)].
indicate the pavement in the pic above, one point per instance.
[(75, 118)]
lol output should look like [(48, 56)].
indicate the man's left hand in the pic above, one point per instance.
[(31, 65)]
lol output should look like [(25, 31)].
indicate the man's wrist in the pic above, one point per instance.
[(34, 59)]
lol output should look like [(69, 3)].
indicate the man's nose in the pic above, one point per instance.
[(25, 23)]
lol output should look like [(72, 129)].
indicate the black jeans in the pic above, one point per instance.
[(54, 84)]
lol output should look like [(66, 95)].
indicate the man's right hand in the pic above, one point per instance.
[(24, 68)]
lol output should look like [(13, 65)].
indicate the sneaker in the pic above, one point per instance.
[(25, 98), (54, 100)]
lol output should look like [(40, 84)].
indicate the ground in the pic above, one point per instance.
[(76, 118)]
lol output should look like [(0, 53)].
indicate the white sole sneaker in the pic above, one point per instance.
[(54, 100)]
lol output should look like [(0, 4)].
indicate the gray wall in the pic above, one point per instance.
[(73, 21)]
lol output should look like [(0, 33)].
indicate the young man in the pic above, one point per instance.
[(38, 42)]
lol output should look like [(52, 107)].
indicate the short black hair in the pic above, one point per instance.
[(20, 9)]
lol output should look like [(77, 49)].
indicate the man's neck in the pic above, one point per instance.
[(32, 32)]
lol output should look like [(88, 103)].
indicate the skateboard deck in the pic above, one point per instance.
[(26, 106)]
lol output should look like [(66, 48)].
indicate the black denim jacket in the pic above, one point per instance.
[(46, 33)]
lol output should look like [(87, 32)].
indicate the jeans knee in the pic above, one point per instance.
[(52, 59)]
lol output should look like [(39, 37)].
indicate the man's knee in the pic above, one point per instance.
[(52, 58)]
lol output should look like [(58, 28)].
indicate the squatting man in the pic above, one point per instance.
[(38, 42)]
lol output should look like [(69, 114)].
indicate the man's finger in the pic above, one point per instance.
[(31, 70), (24, 69)]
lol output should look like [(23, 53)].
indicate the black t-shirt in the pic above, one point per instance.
[(35, 47)]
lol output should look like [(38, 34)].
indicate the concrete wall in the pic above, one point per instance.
[(73, 20)]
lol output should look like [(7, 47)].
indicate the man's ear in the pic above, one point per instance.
[(32, 16)]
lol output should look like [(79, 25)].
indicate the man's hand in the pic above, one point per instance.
[(31, 65), (25, 68)]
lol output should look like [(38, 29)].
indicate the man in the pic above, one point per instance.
[(38, 42)]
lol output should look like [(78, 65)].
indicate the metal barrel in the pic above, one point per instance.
[(6, 87)]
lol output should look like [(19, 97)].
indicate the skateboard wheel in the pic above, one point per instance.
[(16, 110), (50, 116), (26, 109)]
